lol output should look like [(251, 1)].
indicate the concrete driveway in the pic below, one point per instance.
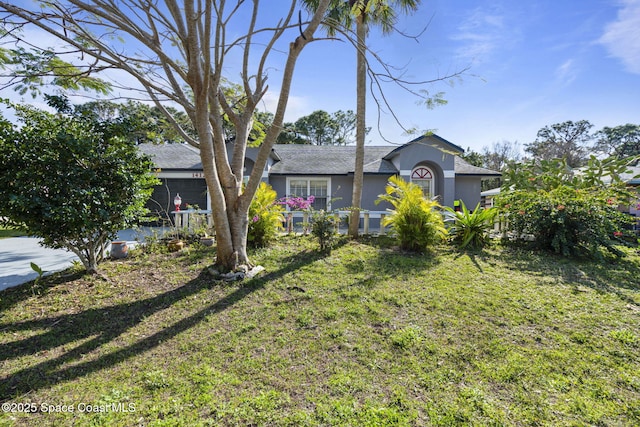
[(17, 254)]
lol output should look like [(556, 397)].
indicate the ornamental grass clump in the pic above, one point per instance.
[(470, 228), (415, 220), (265, 217)]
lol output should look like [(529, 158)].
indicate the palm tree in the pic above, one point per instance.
[(364, 13)]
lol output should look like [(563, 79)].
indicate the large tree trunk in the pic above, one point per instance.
[(230, 203), (361, 91)]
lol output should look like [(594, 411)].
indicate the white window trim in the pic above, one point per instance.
[(432, 181), (309, 178)]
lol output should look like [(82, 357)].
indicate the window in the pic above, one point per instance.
[(305, 187), (423, 177)]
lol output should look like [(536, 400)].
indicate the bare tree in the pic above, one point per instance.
[(179, 52), (499, 154)]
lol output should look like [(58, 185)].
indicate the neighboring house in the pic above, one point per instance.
[(326, 172)]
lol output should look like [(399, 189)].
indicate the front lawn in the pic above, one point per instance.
[(367, 335), (10, 232)]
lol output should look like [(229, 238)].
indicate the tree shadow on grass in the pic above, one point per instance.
[(16, 294), (398, 263), (612, 275), (96, 328), (474, 254)]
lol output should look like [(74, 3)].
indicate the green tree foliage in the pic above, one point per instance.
[(345, 127), (470, 228), (495, 158), (136, 121), (68, 182), (318, 128), (29, 70), (473, 158), (415, 220), (566, 211), (619, 141), (499, 154), (568, 140), (290, 135), (265, 216), (321, 128)]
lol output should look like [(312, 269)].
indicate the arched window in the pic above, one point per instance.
[(423, 176)]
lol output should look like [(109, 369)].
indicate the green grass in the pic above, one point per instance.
[(364, 336), (10, 232)]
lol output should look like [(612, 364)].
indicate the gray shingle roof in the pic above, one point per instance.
[(297, 159), (464, 168), (173, 156), (328, 160)]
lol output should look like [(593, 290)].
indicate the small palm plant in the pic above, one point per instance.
[(415, 220), (265, 217), (470, 228)]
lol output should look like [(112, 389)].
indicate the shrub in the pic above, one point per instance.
[(470, 228), (323, 227), (415, 220), (566, 221), (70, 181), (265, 217), (569, 212)]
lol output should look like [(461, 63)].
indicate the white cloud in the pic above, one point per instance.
[(566, 72), (622, 36), (481, 33), (297, 106)]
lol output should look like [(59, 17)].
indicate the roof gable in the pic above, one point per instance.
[(431, 140)]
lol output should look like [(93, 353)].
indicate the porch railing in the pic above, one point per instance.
[(194, 219)]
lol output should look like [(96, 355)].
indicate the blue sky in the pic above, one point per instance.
[(533, 64)]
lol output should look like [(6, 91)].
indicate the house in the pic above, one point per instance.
[(326, 172)]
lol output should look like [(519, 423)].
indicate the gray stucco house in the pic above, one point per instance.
[(326, 172)]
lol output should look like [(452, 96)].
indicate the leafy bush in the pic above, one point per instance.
[(566, 221), (470, 228), (265, 217), (70, 181), (323, 227), (571, 213), (415, 220)]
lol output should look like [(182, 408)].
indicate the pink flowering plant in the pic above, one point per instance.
[(322, 224), (298, 203)]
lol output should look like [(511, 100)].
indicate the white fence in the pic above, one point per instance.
[(196, 219)]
